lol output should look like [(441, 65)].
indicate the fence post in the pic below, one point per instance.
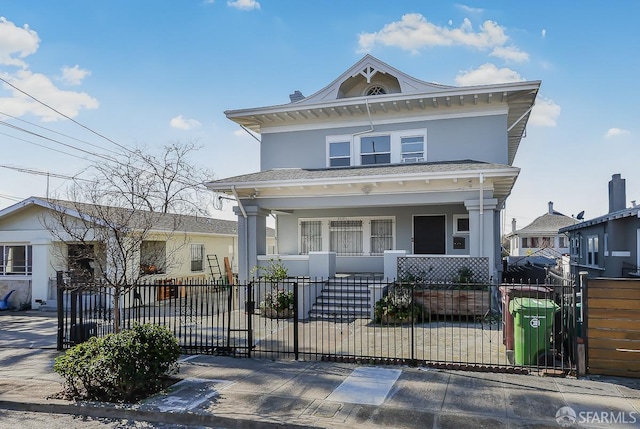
[(295, 321), (249, 313), (413, 325), (59, 299)]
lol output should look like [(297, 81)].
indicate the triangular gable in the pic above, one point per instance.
[(365, 74)]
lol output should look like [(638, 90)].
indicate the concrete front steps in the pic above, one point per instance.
[(344, 299)]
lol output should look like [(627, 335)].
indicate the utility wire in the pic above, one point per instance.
[(42, 173), (59, 133), (184, 182)]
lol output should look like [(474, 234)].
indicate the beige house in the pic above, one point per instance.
[(176, 246)]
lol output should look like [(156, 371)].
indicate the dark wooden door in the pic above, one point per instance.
[(429, 235)]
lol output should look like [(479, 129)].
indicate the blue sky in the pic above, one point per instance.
[(151, 72)]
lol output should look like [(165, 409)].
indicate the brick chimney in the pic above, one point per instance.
[(550, 207), (513, 225), (617, 193)]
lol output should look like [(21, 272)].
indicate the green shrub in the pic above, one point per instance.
[(122, 367)]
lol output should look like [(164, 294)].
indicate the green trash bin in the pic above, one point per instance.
[(533, 327)]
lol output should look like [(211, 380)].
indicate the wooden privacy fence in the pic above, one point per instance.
[(613, 327)]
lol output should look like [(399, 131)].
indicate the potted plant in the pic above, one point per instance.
[(397, 307), (277, 304)]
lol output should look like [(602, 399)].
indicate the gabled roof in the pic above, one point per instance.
[(624, 213), (161, 221), (346, 100), (547, 224)]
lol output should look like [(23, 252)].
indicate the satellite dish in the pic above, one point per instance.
[(580, 215)]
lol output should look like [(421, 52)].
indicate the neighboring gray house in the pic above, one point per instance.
[(541, 237), (609, 245), (379, 164)]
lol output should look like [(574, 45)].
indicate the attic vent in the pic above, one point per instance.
[(376, 90)]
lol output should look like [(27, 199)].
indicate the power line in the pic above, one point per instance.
[(42, 173), (58, 133)]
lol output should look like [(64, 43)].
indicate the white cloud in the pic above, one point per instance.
[(16, 43), (510, 53), (487, 74), (543, 33), (41, 87), (183, 123), (413, 32), (74, 75), (469, 9), (450, 22), (615, 132), (545, 113), (244, 4)]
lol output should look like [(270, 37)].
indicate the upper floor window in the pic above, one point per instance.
[(592, 250), (563, 241), (375, 150), (412, 149), (376, 90), (15, 260), (339, 154), (391, 148)]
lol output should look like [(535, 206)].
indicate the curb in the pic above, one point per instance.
[(182, 418)]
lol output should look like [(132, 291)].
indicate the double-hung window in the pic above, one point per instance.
[(339, 154), (412, 149), (16, 260), (375, 150)]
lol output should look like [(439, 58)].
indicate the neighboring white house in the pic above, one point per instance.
[(379, 164), (30, 255), (541, 237)]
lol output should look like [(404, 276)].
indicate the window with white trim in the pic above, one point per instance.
[(350, 236), (562, 241), (412, 149), (16, 260), (310, 236), (460, 224), (375, 150), (339, 154), (381, 236), (592, 250)]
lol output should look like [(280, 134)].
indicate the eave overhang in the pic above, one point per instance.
[(365, 181)]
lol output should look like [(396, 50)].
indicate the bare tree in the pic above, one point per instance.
[(115, 225)]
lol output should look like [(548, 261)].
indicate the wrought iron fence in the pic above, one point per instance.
[(508, 327)]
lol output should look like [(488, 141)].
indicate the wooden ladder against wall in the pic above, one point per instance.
[(214, 266)]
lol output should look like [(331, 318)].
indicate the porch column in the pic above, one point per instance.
[(41, 262), (252, 239), (482, 234)]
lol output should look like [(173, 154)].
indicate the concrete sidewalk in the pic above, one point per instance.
[(251, 393)]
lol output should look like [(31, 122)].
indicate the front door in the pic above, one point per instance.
[(429, 234)]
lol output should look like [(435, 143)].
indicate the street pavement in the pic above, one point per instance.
[(226, 392)]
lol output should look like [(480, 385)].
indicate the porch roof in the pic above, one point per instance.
[(418, 177)]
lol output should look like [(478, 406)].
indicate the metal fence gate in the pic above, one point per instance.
[(510, 327)]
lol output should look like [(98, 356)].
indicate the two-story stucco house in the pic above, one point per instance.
[(378, 163), (609, 245)]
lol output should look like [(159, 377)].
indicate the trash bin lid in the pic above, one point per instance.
[(528, 303)]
